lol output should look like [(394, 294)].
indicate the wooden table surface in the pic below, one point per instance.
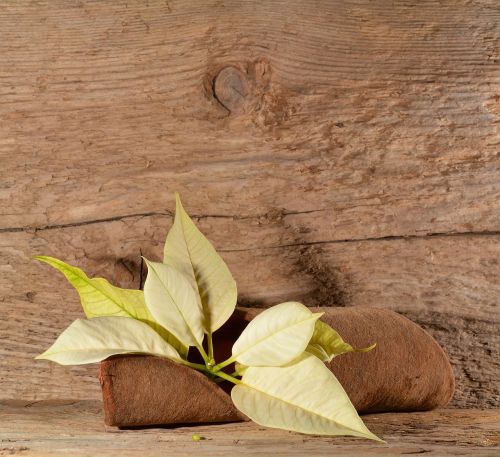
[(76, 428)]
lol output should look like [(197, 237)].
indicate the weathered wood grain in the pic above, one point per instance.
[(294, 131), (448, 284), (76, 428), (380, 116)]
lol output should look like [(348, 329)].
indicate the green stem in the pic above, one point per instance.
[(196, 366), (205, 369), (203, 353), (224, 364), (227, 377), (210, 346)]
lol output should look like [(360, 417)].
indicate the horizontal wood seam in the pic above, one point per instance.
[(284, 214), (376, 238), (148, 214)]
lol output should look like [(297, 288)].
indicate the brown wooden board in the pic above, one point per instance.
[(381, 116), (76, 428), (448, 284), (331, 149)]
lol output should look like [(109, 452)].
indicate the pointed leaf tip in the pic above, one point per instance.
[(190, 252), (92, 340), (303, 396), (100, 298), (326, 343)]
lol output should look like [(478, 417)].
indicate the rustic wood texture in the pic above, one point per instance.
[(382, 113), (337, 152), (448, 284), (76, 428)]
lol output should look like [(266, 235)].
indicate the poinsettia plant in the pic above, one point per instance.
[(280, 379)]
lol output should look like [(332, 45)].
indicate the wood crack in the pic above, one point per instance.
[(79, 224), (379, 238), (241, 217), (148, 214)]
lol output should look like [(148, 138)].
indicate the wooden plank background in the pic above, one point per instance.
[(336, 152)]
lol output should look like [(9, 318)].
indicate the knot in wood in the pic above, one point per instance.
[(231, 89)]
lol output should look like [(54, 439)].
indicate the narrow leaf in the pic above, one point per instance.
[(326, 343), (100, 298), (93, 340), (173, 303), (187, 249), (303, 396), (276, 336)]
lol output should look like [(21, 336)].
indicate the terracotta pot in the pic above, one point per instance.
[(407, 371)]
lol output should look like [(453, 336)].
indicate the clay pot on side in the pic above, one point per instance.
[(407, 371)]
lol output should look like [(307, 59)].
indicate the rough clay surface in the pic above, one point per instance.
[(407, 371), (145, 390)]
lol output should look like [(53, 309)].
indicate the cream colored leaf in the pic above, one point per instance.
[(326, 343), (187, 250), (93, 340), (239, 368), (276, 336), (173, 303), (100, 298), (303, 396)]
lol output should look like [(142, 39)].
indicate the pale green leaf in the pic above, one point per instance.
[(318, 351), (276, 336), (173, 303), (187, 250), (326, 343), (303, 396), (100, 298), (93, 340)]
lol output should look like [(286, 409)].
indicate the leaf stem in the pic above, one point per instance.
[(227, 377), (210, 346), (196, 366), (203, 353), (220, 374), (224, 364)]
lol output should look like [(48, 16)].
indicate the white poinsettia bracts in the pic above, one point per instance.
[(279, 375)]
